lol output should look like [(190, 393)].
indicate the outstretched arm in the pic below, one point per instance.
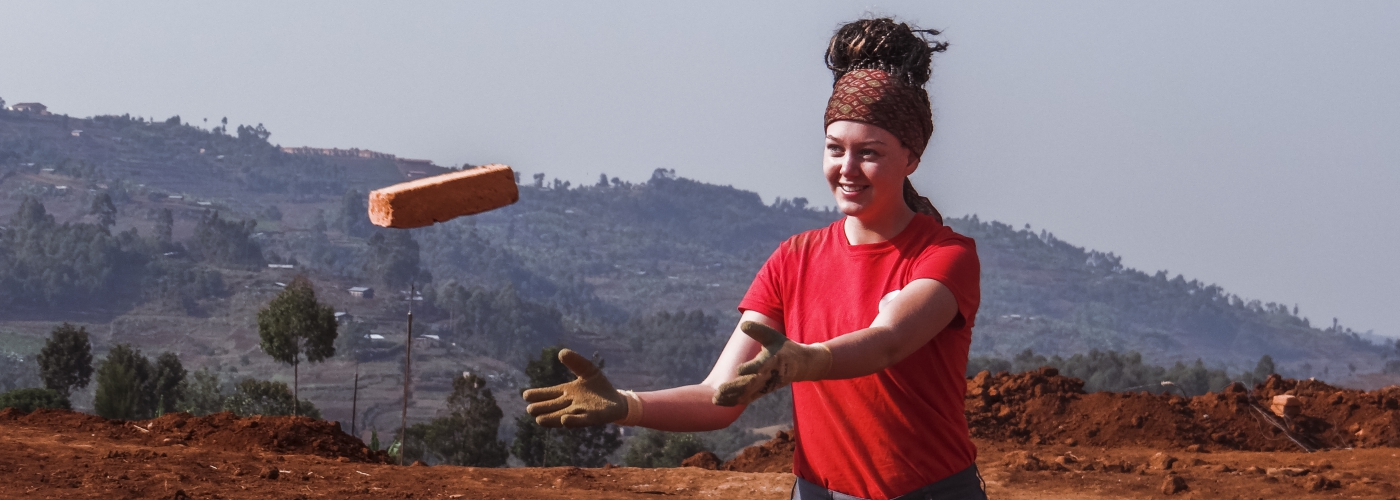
[(591, 400), (691, 408)]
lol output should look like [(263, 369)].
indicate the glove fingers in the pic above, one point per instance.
[(575, 362), (763, 334), (553, 419), (542, 394), (547, 407), (573, 421)]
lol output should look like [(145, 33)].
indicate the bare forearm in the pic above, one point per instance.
[(685, 409), (864, 352)]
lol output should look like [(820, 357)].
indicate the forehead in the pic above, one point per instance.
[(853, 132)]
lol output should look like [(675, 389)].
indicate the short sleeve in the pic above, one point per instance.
[(765, 294), (953, 262)]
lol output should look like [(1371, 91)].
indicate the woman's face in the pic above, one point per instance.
[(865, 166)]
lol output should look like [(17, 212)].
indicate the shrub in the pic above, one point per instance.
[(28, 400)]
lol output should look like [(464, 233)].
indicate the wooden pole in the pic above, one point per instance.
[(354, 400), (407, 375)]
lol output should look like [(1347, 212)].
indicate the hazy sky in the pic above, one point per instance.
[(1255, 145)]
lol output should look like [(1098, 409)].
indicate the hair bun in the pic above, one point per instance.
[(886, 45)]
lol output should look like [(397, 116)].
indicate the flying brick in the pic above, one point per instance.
[(443, 197)]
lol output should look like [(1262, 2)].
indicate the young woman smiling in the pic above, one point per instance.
[(869, 319)]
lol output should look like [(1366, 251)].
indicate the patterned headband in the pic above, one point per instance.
[(873, 96)]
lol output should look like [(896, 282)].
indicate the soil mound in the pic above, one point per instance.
[(1042, 407), (775, 455), (221, 431)]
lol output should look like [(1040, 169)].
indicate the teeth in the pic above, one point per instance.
[(852, 189)]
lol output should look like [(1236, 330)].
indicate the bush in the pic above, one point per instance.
[(27, 400), (203, 393), (66, 360), (265, 397), (467, 436), (121, 382)]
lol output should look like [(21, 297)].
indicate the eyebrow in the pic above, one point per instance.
[(872, 141)]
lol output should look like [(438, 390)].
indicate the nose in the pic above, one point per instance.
[(850, 166)]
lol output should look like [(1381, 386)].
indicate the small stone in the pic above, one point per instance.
[(1254, 470), (1022, 460), (1174, 484), (342, 459), (1161, 461), (1286, 471), (417, 463), (271, 473), (1196, 448), (1071, 442)]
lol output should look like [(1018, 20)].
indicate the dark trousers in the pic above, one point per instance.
[(965, 485)]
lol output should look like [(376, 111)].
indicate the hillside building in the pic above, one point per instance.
[(362, 292), (30, 107)]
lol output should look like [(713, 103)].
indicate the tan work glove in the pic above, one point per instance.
[(781, 362), (586, 401)]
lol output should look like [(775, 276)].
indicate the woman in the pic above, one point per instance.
[(869, 319)]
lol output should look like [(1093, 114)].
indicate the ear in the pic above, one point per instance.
[(913, 164)]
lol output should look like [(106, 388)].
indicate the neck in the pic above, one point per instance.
[(877, 228)]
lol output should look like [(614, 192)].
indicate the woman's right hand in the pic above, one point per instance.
[(585, 401)]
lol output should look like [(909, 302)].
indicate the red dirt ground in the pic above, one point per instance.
[(1038, 435)]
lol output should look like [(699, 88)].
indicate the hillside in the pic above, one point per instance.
[(646, 274)]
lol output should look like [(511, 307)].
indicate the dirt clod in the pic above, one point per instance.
[(704, 460), (1174, 484)]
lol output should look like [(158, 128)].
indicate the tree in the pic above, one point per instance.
[(168, 383), (653, 448), (227, 242), (203, 393), (27, 400), (66, 359), (467, 435), (353, 218), (294, 326), (394, 259), (165, 226), (539, 446), (1264, 368), (265, 397), (121, 378), (105, 211)]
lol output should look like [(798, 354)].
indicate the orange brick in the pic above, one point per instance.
[(440, 198)]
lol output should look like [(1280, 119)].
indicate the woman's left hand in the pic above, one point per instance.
[(781, 362)]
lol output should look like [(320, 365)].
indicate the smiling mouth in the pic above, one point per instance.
[(852, 189)]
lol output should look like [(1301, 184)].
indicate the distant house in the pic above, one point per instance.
[(281, 266), (427, 340), (77, 133), (175, 197), (374, 336), (362, 292), (31, 107), (343, 317)]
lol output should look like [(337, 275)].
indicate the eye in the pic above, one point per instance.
[(834, 150), (868, 153)]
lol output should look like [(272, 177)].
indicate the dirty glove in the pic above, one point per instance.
[(781, 362), (586, 401)]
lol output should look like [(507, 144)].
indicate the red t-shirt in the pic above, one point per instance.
[(888, 433)]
